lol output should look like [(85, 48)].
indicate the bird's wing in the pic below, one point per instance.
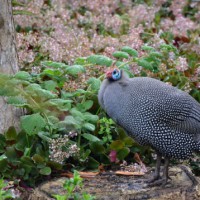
[(168, 105), (180, 111)]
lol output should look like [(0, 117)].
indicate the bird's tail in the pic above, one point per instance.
[(195, 116), (197, 149), (196, 144)]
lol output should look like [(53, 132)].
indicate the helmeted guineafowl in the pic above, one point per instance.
[(153, 113)]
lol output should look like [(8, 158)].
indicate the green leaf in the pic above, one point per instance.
[(53, 119), (90, 117), (50, 85), (22, 75), (128, 141), (130, 51), (27, 152), (95, 83), (11, 134), (3, 164), (100, 60), (84, 154), (74, 70), (16, 3), (104, 159), (155, 54), (2, 143), (147, 48), (61, 104), (33, 87), (123, 65), (26, 160), (17, 101), (117, 145), (145, 64), (21, 171), (89, 126), (92, 163), (36, 90), (73, 121), (11, 153), (44, 136), (3, 157), (38, 159), (32, 124), (77, 93), (21, 141), (120, 54), (76, 112), (54, 64), (22, 12), (90, 137), (54, 165), (70, 120), (122, 134), (80, 61), (97, 147), (59, 197), (52, 73), (45, 171), (85, 105), (122, 153), (168, 48)]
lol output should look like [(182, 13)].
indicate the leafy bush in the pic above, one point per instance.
[(62, 126), (51, 114)]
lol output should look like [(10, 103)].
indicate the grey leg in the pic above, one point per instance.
[(165, 172), (163, 180), (156, 175)]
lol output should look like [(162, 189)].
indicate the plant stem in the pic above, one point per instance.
[(79, 139), (47, 119)]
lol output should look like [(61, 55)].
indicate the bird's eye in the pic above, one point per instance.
[(116, 75)]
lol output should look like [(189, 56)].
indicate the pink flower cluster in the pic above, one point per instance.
[(182, 64), (77, 28)]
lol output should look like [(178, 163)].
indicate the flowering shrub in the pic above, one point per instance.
[(57, 151), (159, 39), (63, 124)]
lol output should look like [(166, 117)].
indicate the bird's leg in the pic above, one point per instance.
[(165, 177), (156, 175), (165, 172)]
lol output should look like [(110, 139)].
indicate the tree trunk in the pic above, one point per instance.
[(9, 116)]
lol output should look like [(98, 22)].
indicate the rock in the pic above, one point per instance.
[(114, 187)]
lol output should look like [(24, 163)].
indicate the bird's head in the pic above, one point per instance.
[(114, 74)]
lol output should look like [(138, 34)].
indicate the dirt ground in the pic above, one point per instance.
[(109, 186)]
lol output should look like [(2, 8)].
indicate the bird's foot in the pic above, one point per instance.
[(158, 182), (153, 179)]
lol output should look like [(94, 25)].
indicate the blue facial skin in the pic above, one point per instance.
[(116, 74)]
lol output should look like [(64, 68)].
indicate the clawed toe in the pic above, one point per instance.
[(152, 179), (159, 182)]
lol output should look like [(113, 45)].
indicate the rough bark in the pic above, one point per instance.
[(9, 116)]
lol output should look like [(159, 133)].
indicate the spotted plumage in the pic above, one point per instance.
[(153, 113)]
